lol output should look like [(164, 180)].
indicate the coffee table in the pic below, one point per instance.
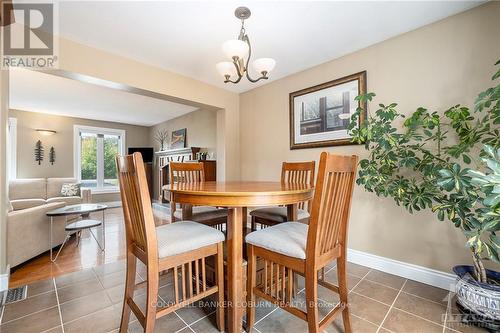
[(85, 222)]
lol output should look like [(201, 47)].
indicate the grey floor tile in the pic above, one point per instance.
[(376, 291), (426, 291), (186, 330), (73, 278), (28, 306), (196, 311), (79, 290), (170, 323), (389, 280), (33, 323), (57, 329), (421, 307), (358, 270), (117, 266), (352, 280), (112, 279), (117, 293), (40, 287), (358, 325), (206, 325), (399, 321), (263, 308), (281, 321), (367, 309), (84, 305), (102, 321)]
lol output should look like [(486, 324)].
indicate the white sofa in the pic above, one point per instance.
[(28, 226)]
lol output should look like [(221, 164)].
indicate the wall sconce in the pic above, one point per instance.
[(45, 132)]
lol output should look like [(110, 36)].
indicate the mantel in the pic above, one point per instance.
[(178, 151)]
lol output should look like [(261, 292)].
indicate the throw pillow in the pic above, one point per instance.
[(70, 190)]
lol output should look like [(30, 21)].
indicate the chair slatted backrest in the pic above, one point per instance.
[(299, 173), (136, 202), (190, 172), (331, 204)]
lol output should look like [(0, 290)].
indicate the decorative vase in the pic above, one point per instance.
[(479, 303)]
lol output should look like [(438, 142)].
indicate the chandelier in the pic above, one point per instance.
[(239, 52)]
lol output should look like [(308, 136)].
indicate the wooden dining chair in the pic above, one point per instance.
[(193, 172), (291, 172), (292, 247), (176, 247)]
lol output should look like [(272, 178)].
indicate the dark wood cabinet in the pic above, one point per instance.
[(148, 167), (210, 168)]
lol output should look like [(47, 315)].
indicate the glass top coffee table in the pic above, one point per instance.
[(78, 226)]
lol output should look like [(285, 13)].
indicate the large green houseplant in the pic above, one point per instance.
[(448, 162)]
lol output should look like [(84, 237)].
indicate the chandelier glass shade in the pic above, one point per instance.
[(239, 51)]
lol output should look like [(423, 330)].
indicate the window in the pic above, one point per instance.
[(95, 151), (12, 148)]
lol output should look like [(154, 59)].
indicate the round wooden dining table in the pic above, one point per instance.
[(237, 196)]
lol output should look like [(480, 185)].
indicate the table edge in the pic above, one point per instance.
[(50, 213), (239, 194)]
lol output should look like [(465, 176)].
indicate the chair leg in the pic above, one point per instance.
[(311, 279), (152, 297), (188, 279), (295, 284), (220, 284), (129, 291), (253, 224), (251, 283), (343, 291)]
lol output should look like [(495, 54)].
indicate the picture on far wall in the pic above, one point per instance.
[(319, 115), (178, 139)]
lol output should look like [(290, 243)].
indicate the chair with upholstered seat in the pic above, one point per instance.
[(181, 248), (291, 172), (293, 247), (193, 172)]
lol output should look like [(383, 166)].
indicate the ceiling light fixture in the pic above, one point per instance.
[(239, 49), (45, 132)]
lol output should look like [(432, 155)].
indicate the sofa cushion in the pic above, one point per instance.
[(68, 200), (70, 190), (10, 208), (54, 186), (184, 236), (28, 188), (288, 238), (26, 203)]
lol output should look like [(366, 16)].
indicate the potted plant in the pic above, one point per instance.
[(426, 161)]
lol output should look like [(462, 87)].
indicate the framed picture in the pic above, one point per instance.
[(319, 115), (178, 139)]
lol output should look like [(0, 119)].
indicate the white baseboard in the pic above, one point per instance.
[(414, 272)]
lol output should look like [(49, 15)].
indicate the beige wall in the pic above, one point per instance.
[(4, 104), (62, 141), (201, 132), (436, 66)]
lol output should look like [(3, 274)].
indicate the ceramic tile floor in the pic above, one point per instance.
[(90, 301)]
